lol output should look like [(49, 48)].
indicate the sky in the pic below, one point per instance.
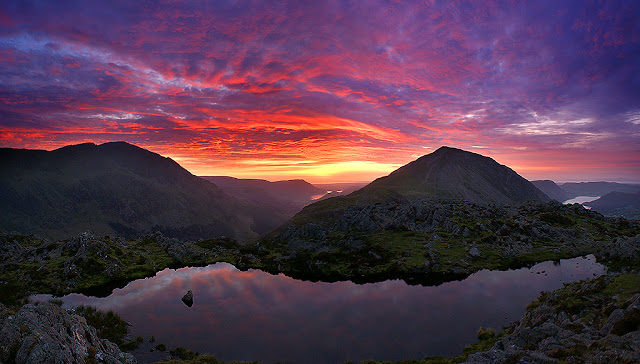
[(329, 91)]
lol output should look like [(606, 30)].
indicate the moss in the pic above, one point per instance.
[(183, 353), (624, 286), (56, 301), (132, 344), (484, 334)]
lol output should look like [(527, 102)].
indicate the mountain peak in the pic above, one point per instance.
[(452, 173)]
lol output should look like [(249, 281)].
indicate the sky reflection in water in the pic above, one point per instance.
[(257, 316)]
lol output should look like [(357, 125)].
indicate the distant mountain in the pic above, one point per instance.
[(618, 204), (446, 174), (295, 192), (552, 190), (450, 173), (273, 202), (113, 188), (597, 188)]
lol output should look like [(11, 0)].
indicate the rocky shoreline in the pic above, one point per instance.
[(46, 333), (596, 321)]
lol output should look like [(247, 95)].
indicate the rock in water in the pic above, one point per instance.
[(46, 333), (188, 298)]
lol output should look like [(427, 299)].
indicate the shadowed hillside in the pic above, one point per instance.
[(113, 188), (618, 204), (446, 174), (450, 173), (552, 190)]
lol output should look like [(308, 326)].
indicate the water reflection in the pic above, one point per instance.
[(581, 199), (257, 316)]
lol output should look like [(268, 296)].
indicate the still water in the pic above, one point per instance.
[(254, 315), (581, 199)]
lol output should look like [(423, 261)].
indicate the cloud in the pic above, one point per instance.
[(213, 83)]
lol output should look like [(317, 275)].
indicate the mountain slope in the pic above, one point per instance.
[(618, 204), (113, 188), (446, 174), (450, 173), (552, 190), (289, 195), (575, 189), (272, 203)]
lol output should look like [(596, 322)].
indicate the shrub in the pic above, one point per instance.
[(484, 334)]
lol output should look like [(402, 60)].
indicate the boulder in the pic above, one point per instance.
[(474, 252), (46, 333), (188, 298)]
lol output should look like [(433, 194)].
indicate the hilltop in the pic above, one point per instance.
[(113, 189)]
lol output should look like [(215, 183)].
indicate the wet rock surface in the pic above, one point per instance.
[(47, 333)]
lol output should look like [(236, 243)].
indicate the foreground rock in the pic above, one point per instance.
[(47, 333), (188, 298), (596, 321)]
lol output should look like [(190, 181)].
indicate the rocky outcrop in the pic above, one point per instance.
[(187, 299), (625, 248), (47, 333), (582, 322)]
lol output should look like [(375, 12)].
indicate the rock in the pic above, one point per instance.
[(615, 317), (46, 333), (547, 332), (474, 252), (188, 298)]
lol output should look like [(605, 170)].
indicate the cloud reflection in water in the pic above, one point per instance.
[(257, 316)]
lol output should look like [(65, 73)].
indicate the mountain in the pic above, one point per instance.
[(273, 202), (597, 188), (116, 189), (446, 174), (290, 194), (440, 217), (451, 173), (618, 204), (552, 190)]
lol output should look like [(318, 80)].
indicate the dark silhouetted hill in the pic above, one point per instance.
[(618, 204), (273, 203), (446, 174), (575, 189), (113, 188), (552, 190), (450, 173)]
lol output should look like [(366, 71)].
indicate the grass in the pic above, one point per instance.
[(108, 324), (59, 270)]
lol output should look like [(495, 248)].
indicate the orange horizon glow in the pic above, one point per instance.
[(329, 91)]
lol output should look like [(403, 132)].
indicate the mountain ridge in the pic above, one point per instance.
[(113, 188), (452, 173)]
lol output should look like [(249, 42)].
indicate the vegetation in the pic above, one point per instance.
[(96, 265), (109, 325), (450, 240)]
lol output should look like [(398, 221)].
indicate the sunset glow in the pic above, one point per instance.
[(329, 91)]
